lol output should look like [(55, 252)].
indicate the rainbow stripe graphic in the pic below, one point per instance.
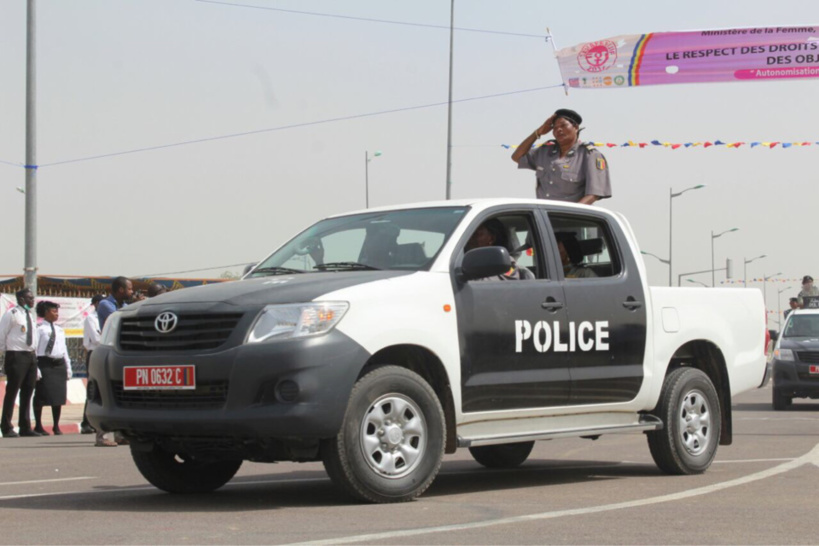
[(637, 60)]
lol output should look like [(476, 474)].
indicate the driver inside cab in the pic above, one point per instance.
[(493, 233)]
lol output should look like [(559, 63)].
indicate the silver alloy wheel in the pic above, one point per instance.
[(393, 436), (695, 422)]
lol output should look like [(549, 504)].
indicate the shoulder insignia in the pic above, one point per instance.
[(590, 146), (13, 311), (601, 163)]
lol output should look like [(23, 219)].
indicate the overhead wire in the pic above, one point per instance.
[(373, 20), (293, 126)]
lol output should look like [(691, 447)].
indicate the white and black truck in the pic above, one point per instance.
[(380, 340)]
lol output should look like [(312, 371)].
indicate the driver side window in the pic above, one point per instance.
[(516, 233)]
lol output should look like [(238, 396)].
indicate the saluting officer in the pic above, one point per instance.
[(567, 169), (17, 329)]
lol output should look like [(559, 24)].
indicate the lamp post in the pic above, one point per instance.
[(449, 105), (671, 196), (666, 262), (745, 269), (764, 286), (367, 160), (779, 305), (30, 267), (697, 282), (713, 274)]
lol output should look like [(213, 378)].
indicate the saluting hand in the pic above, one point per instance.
[(547, 126)]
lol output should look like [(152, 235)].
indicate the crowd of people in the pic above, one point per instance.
[(37, 363)]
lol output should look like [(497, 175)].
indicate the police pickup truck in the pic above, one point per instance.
[(378, 341)]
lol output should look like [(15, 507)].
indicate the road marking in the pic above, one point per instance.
[(49, 481), (754, 461), (812, 457)]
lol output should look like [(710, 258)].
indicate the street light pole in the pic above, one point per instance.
[(367, 160), (31, 151), (671, 196), (779, 305), (745, 269), (713, 272), (449, 105), (765, 286)]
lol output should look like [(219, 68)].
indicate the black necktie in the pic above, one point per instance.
[(51, 339), (29, 331)]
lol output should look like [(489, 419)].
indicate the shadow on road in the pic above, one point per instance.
[(314, 489)]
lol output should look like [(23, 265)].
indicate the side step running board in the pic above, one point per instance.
[(647, 422)]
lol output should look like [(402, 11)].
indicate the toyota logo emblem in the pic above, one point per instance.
[(166, 322)]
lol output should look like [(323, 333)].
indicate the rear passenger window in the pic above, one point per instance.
[(586, 247)]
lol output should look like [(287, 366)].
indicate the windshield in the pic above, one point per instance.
[(402, 239), (802, 326)]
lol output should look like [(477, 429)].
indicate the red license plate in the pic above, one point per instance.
[(814, 369), (159, 377)]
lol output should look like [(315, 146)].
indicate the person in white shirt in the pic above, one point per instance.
[(17, 342), (54, 365), (90, 340)]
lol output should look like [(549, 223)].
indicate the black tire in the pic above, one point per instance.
[(168, 472), (392, 440), (687, 396), (502, 455), (780, 401)]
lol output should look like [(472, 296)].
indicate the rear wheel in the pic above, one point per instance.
[(391, 442), (182, 474), (689, 408), (502, 455), (780, 401)]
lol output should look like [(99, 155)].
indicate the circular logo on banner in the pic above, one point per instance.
[(597, 56)]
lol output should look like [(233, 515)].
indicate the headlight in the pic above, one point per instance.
[(110, 332), (783, 354), (296, 320)]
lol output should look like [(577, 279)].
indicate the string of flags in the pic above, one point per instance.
[(676, 145), (761, 279)]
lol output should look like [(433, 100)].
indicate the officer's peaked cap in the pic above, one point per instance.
[(571, 115)]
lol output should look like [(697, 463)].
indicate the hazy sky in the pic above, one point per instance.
[(120, 75)]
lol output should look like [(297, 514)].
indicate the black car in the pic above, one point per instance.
[(796, 359)]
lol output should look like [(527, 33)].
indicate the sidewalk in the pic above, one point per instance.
[(72, 412)]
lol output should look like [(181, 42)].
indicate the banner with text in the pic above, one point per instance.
[(746, 54)]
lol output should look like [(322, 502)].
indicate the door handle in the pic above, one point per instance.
[(631, 304), (552, 305)]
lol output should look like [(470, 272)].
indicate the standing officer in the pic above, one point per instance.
[(17, 341), (808, 290), (567, 169)]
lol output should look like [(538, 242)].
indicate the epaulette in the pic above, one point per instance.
[(589, 146), (14, 310)]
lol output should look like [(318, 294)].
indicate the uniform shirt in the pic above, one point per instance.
[(59, 350), (814, 291), (91, 331), (578, 272), (582, 172), (13, 327)]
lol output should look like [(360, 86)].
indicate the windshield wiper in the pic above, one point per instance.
[(345, 266), (277, 270)]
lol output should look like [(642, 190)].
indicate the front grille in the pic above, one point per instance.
[(194, 332), (808, 356), (207, 395)]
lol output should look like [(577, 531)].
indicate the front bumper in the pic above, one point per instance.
[(275, 390), (793, 379)]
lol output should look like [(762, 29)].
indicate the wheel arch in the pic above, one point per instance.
[(426, 364), (705, 356)]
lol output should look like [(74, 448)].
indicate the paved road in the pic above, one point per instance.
[(761, 490)]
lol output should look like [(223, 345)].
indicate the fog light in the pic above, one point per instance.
[(287, 390)]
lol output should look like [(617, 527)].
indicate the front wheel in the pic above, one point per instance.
[(392, 439), (502, 455), (780, 401), (689, 408), (182, 474)]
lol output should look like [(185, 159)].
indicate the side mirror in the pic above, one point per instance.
[(774, 335), (488, 261), (248, 267)]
